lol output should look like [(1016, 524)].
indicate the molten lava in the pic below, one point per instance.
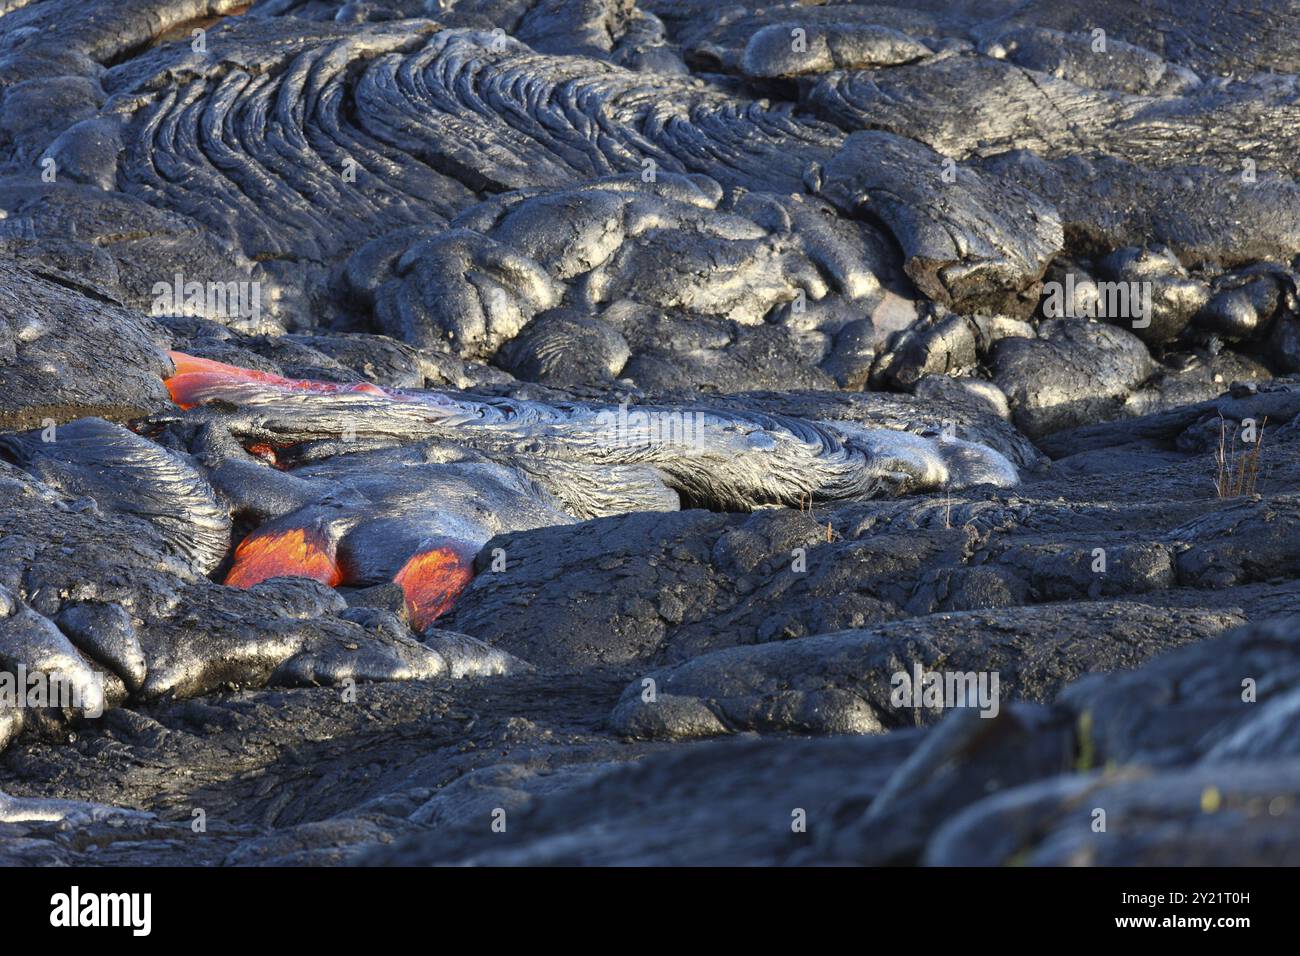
[(431, 581), (196, 375), (265, 452), (295, 553)]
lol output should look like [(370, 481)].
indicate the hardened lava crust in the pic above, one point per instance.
[(519, 432)]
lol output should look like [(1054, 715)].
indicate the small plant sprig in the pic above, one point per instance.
[(1238, 470), (830, 531)]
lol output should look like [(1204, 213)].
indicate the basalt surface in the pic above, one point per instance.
[(649, 432)]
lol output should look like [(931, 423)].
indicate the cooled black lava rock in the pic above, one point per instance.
[(848, 682), (1163, 297), (967, 243), (67, 351), (1074, 372)]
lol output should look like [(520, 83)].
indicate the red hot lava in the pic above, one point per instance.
[(194, 375), (293, 552), (431, 580)]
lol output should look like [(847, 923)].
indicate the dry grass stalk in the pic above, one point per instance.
[(1238, 470)]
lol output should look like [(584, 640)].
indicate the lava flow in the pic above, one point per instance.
[(194, 375), (431, 581), (294, 552)]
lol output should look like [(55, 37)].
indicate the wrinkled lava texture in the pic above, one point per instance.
[(544, 431)]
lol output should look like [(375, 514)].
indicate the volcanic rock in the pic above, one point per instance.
[(420, 416)]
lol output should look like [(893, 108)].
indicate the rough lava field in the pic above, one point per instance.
[(522, 432)]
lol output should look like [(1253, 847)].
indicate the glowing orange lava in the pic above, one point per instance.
[(431, 581), (265, 452), (195, 375), (295, 553)]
